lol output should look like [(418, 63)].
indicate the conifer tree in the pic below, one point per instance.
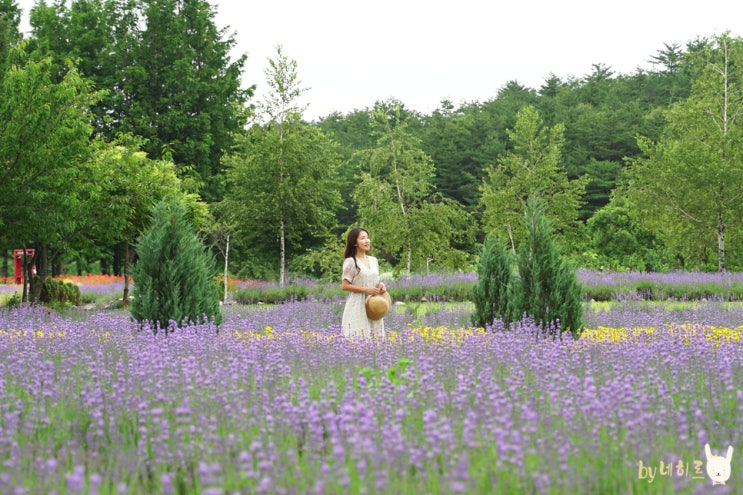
[(493, 294), (173, 279), (550, 291)]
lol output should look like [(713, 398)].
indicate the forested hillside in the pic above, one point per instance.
[(107, 107)]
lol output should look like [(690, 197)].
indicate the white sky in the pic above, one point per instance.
[(351, 54)]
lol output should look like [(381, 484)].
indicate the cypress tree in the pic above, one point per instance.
[(550, 291), (173, 276), (492, 295)]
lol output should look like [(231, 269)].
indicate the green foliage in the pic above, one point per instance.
[(622, 244), (493, 294), (44, 149), (275, 295), (13, 301), (282, 176), (173, 88), (10, 19), (60, 292), (445, 291), (657, 291), (170, 72), (44, 141), (532, 168), (453, 290), (686, 188), (395, 374), (320, 263), (549, 289), (396, 202), (173, 277), (130, 184), (442, 234), (459, 143), (602, 116), (546, 288)]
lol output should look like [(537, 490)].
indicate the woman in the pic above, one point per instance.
[(361, 279)]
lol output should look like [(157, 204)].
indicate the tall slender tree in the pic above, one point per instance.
[(282, 175), (396, 198), (532, 168), (689, 186)]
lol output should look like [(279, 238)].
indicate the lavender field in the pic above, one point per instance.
[(275, 401)]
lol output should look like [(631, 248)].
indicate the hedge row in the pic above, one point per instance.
[(457, 291), (653, 291), (60, 292)]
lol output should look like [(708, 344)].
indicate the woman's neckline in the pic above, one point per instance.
[(364, 261)]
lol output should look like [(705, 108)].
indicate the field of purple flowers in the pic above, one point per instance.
[(275, 401)]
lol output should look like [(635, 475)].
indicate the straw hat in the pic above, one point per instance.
[(378, 306)]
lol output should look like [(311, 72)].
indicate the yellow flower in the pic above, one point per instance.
[(714, 335)]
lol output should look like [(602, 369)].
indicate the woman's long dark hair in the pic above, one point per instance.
[(351, 240)]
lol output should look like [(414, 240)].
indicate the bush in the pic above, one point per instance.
[(13, 301), (272, 295), (173, 276), (60, 292), (493, 293), (549, 289)]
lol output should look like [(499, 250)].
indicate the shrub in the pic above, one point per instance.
[(60, 292), (493, 293), (173, 276), (549, 289), (13, 301), (272, 295)]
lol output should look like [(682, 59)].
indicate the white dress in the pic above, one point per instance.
[(355, 322)]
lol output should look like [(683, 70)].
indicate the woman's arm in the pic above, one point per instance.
[(372, 291)]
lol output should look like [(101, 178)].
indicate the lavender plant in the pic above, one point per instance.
[(278, 402)]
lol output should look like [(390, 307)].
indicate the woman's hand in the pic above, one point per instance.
[(379, 289)]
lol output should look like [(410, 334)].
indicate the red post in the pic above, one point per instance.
[(18, 263)]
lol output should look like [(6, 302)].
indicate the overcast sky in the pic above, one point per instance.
[(351, 54)]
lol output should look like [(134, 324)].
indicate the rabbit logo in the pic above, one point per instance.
[(718, 467)]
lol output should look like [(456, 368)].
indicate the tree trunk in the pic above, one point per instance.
[(720, 243), (42, 271), (410, 256), (117, 261), (282, 254), (226, 261), (125, 270), (26, 276)]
